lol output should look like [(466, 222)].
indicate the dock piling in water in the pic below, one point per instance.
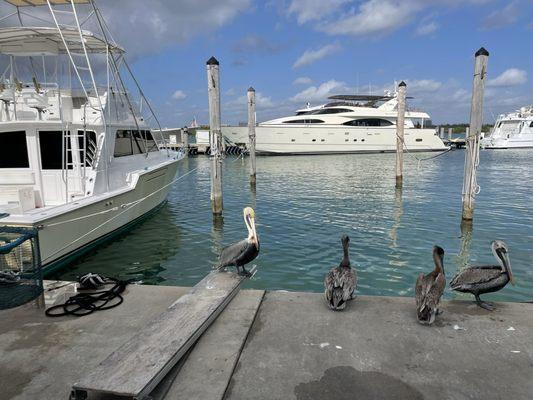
[(470, 187), (213, 86), (185, 139), (400, 134), (251, 133)]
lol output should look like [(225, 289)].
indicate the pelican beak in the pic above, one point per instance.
[(255, 240), (508, 268)]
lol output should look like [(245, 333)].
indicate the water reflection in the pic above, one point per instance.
[(398, 211)]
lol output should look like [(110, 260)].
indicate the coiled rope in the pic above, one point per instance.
[(89, 301)]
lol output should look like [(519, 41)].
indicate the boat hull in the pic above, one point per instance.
[(64, 237), (332, 139)]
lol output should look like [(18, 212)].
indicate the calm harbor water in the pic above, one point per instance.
[(305, 203)]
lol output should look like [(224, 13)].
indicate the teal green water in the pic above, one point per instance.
[(305, 203)]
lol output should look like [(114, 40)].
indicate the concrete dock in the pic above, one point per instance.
[(281, 345)]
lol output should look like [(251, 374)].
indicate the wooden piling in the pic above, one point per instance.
[(185, 139), (251, 133), (450, 131), (441, 132), (400, 122), (213, 87), (473, 137)]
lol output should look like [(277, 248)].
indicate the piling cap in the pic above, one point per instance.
[(482, 52), (212, 61), (402, 83), (251, 89)]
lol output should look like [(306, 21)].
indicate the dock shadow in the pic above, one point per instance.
[(347, 383)]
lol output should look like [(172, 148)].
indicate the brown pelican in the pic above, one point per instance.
[(429, 289), (341, 281), (241, 253), (486, 278)]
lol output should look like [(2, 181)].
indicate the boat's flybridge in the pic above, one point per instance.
[(355, 110), (66, 138)]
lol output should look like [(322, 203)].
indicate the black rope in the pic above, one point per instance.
[(89, 301)]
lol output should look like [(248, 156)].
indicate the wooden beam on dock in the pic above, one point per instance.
[(135, 368)]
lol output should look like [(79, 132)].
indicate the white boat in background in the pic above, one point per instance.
[(77, 158), (350, 124), (513, 130)]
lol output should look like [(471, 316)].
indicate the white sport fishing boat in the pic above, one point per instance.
[(350, 124), (77, 158), (513, 130)]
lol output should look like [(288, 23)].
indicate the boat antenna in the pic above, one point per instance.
[(103, 24)]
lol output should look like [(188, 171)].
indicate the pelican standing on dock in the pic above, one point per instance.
[(341, 281), (241, 253), (429, 289), (486, 278)]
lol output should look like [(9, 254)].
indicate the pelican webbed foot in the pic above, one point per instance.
[(243, 272), (483, 304)]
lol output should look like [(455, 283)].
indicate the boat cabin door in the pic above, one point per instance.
[(60, 166)]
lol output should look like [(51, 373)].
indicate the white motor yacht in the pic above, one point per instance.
[(349, 124), (78, 160), (513, 130)]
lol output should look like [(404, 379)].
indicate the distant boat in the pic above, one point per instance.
[(349, 124), (513, 130), (77, 159)]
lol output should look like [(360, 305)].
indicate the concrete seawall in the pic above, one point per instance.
[(281, 345)]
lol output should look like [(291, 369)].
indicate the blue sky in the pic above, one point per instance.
[(294, 51)]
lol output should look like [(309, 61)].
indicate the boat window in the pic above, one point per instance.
[(13, 150), (151, 145), (304, 121), (90, 144), (53, 148), (418, 140), (138, 142), (330, 111), (368, 122), (129, 142), (531, 124), (123, 143)]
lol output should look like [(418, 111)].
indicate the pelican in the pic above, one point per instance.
[(486, 278), (241, 253), (429, 289), (340, 282)]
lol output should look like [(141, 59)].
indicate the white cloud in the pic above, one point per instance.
[(178, 95), (261, 102), (313, 10), (320, 93), (423, 85), (302, 80), (311, 56), (500, 18), (426, 28), (510, 77), (374, 17), (146, 27)]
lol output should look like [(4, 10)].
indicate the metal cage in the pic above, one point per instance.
[(21, 278)]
